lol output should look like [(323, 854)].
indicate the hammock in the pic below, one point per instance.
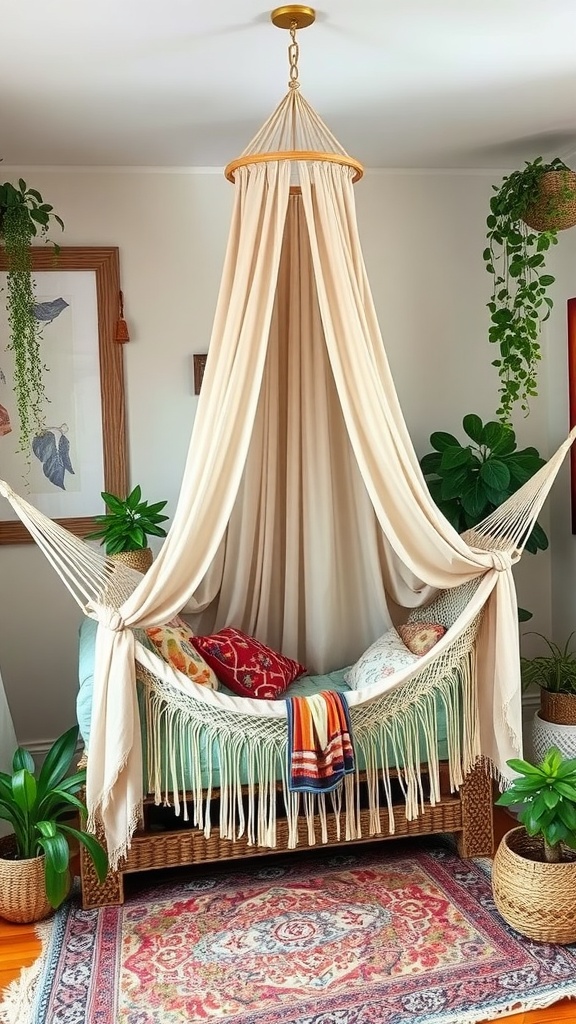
[(303, 515)]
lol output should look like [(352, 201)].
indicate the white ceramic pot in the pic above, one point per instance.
[(549, 734)]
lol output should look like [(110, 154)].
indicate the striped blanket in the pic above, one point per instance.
[(320, 750)]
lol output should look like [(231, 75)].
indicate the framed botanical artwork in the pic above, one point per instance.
[(81, 449)]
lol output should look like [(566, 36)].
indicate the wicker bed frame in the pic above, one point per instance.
[(164, 841)]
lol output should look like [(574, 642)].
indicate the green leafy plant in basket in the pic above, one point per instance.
[(469, 480), (534, 868), (39, 807), (128, 522), (23, 216), (546, 795), (528, 209), (554, 724)]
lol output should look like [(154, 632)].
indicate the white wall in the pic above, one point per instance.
[(423, 240), (563, 266)]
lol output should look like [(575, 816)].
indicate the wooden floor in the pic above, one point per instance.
[(19, 947)]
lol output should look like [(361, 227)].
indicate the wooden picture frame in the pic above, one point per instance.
[(106, 386), (199, 367), (571, 324)]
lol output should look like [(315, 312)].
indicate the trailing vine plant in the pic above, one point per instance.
[(515, 258), (24, 215)]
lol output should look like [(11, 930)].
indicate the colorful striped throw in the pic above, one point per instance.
[(320, 750)]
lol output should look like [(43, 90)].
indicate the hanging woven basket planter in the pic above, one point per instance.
[(555, 208), (535, 898), (22, 887)]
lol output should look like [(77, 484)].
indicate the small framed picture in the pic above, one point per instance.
[(199, 367)]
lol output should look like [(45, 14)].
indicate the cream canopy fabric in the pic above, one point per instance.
[(303, 514)]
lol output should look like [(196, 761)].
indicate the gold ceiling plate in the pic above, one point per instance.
[(293, 14)]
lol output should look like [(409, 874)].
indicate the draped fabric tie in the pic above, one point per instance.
[(502, 561)]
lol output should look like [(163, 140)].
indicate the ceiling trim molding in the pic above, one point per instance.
[(7, 169), (104, 169)]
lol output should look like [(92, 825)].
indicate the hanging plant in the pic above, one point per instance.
[(23, 216), (528, 209)]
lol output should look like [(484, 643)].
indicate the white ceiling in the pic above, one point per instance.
[(402, 83)]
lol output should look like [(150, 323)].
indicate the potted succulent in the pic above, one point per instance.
[(528, 209), (534, 870), (124, 528), (468, 481), (34, 860), (555, 673), (23, 216)]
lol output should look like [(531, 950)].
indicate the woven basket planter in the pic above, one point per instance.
[(558, 707), (536, 899), (556, 205), (141, 560), (22, 889)]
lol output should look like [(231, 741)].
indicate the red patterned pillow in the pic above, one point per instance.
[(420, 637), (245, 665)]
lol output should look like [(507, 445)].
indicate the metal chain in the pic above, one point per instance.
[(293, 54)]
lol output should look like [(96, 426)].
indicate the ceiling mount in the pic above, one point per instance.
[(293, 16)]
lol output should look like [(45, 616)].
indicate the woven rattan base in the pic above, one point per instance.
[(467, 814)]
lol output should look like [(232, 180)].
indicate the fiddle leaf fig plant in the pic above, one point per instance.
[(23, 216), (546, 794), (515, 259), (468, 481), (128, 522)]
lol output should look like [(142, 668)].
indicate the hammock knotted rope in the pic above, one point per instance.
[(388, 723), (99, 583)]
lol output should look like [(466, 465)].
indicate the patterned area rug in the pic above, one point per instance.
[(403, 935)]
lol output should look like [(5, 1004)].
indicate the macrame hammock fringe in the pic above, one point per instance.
[(473, 671), (387, 729), (386, 732)]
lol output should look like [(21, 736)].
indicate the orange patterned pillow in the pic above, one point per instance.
[(420, 637), (174, 643)]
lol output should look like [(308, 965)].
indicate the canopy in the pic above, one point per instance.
[(303, 515)]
